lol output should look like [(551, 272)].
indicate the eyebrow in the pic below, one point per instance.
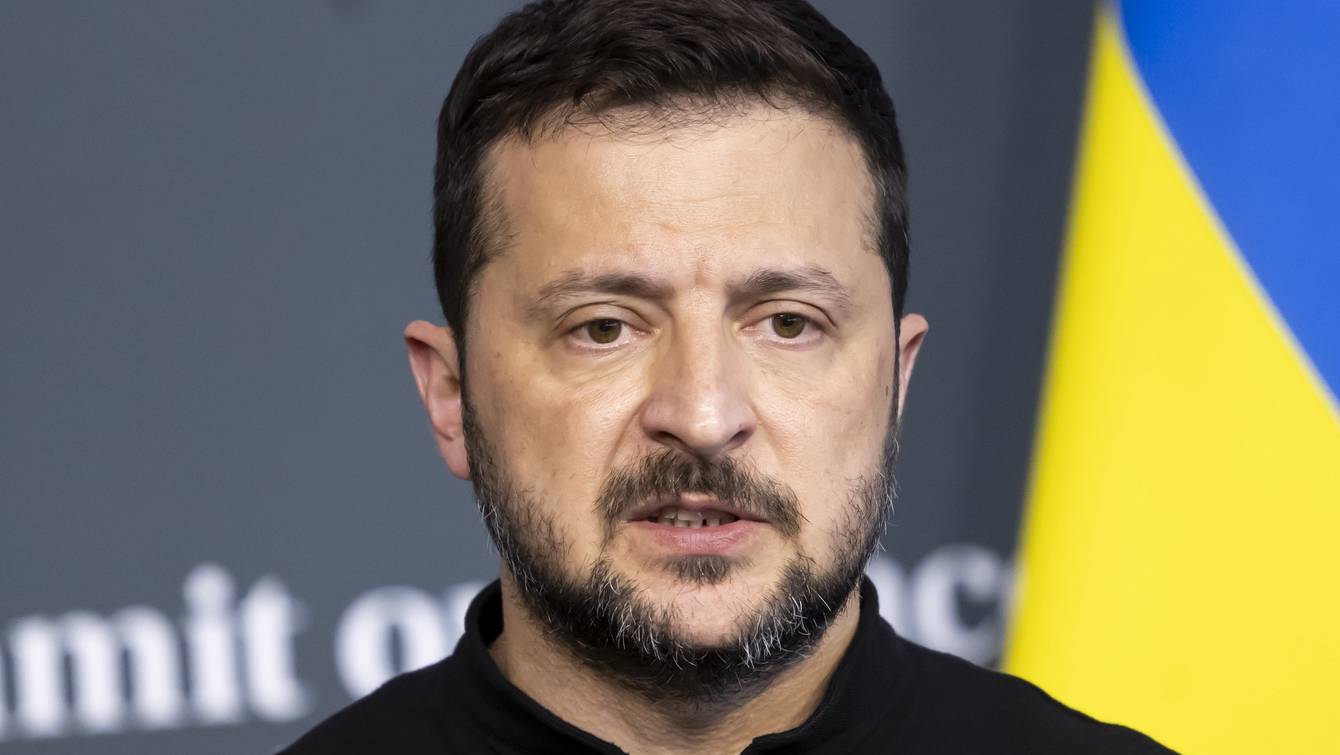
[(811, 278), (624, 284), (761, 282)]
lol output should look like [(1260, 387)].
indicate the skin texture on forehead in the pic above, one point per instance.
[(681, 183)]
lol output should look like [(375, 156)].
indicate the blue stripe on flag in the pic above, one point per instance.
[(1251, 93)]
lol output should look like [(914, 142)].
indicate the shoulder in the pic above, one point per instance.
[(403, 715), (975, 706)]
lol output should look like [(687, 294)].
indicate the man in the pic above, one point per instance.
[(671, 250)]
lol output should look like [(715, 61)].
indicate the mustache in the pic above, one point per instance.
[(669, 473)]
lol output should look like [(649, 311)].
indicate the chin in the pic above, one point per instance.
[(704, 624), (710, 600)]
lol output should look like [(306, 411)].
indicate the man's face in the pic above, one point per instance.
[(676, 313)]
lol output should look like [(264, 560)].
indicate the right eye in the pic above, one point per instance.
[(604, 331), (789, 325)]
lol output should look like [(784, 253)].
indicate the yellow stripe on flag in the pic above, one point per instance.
[(1181, 555)]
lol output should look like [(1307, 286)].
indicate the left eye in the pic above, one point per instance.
[(789, 325), (603, 331)]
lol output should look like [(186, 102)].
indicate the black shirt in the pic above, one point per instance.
[(887, 695)]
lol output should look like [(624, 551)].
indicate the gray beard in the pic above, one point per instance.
[(602, 621)]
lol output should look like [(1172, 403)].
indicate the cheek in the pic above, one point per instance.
[(827, 431), (835, 419), (559, 437)]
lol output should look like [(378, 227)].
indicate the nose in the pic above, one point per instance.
[(699, 402)]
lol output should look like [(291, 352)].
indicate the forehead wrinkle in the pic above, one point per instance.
[(692, 212)]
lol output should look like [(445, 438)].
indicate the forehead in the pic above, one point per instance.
[(761, 185)]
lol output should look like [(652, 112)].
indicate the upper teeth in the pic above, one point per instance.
[(677, 517)]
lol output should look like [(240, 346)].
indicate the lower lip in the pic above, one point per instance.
[(716, 540)]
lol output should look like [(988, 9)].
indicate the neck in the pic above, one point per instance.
[(582, 696)]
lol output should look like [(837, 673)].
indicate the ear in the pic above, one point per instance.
[(437, 372), (912, 331)]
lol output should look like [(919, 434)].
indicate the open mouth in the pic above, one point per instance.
[(691, 511), (695, 524), (676, 516)]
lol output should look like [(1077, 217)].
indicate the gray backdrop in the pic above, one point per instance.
[(223, 513)]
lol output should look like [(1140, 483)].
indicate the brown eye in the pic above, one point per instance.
[(604, 331), (788, 325)]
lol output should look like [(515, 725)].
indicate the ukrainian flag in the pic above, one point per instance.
[(1180, 564)]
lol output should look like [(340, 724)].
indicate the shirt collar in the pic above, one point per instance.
[(866, 689)]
